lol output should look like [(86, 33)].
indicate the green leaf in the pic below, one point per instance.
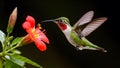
[(16, 40), (15, 60), (10, 64), (2, 36), (26, 60), (15, 51)]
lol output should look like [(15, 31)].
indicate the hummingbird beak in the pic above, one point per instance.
[(54, 20), (49, 21)]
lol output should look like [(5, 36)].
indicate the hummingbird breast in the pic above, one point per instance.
[(67, 34)]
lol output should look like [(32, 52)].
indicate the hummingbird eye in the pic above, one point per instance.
[(59, 20)]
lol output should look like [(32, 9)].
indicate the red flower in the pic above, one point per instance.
[(35, 34)]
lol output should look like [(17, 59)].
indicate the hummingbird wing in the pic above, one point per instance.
[(93, 25), (87, 17)]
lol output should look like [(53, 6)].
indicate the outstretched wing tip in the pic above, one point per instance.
[(86, 18), (93, 25), (91, 11), (103, 18)]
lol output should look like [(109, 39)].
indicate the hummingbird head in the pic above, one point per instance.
[(62, 22)]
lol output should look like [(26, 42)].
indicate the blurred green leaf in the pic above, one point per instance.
[(1, 62), (15, 51), (10, 64), (2, 36), (26, 60), (15, 60), (16, 40)]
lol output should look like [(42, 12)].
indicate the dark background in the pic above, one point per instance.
[(61, 54)]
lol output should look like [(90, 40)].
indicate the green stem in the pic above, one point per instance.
[(5, 43), (14, 46), (1, 62), (7, 35)]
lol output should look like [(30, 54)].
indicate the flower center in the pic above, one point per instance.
[(35, 33)]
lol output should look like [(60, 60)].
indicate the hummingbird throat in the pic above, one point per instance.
[(62, 26)]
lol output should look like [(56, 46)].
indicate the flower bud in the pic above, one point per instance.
[(12, 21)]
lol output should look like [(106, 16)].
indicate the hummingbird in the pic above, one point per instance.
[(76, 34)]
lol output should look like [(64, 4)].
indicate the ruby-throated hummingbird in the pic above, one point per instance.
[(76, 34)]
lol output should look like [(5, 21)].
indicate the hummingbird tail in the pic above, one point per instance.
[(102, 49)]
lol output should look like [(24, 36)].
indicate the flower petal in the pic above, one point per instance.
[(36, 37), (40, 44), (26, 25), (42, 35), (31, 21)]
